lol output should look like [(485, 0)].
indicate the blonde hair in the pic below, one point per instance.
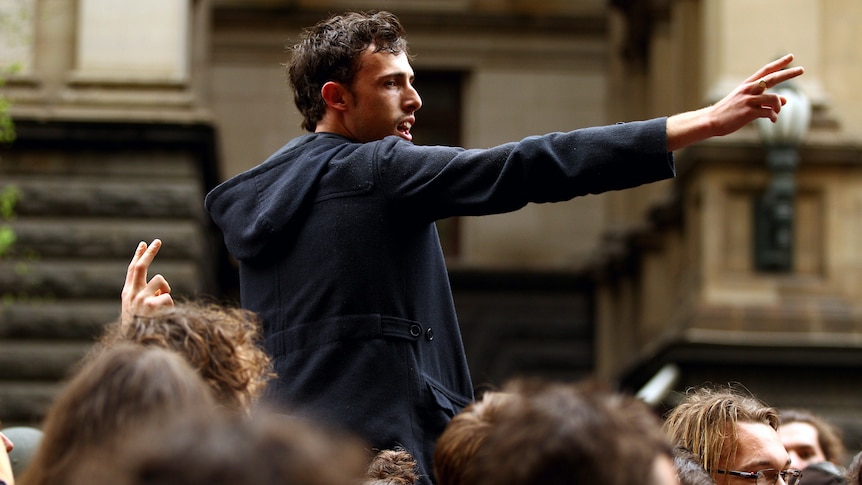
[(705, 423)]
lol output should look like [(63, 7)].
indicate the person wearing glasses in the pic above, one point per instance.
[(735, 436)]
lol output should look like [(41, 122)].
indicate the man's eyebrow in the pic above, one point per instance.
[(761, 463), (395, 74)]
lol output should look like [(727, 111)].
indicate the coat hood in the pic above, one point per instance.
[(260, 208)]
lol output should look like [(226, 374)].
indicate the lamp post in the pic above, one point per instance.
[(774, 210)]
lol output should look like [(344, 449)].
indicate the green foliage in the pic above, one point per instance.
[(7, 127), (11, 21), (9, 196)]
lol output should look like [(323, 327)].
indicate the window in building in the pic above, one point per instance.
[(439, 123)]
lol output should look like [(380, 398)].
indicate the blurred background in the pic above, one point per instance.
[(745, 268)]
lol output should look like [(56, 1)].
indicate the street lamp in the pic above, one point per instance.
[(774, 211)]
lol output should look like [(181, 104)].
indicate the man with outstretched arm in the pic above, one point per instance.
[(335, 236)]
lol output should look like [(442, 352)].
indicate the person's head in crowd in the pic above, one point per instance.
[(262, 448), (392, 467), (221, 342), (111, 397), (558, 433), (464, 434), (733, 434), (689, 469), (810, 439)]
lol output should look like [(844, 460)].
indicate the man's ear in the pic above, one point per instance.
[(334, 95)]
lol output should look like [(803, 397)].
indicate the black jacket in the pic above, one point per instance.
[(339, 255)]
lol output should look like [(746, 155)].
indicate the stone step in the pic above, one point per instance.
[(25, 403), (82, 238), (94, 197), (48, 281), (75, 320), (39, 360)]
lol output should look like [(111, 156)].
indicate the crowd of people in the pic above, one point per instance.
[(345, 364), (171, 393)]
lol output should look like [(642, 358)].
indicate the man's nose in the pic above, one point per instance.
[(414, 101)]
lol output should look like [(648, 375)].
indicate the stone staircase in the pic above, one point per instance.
[(88, 194)]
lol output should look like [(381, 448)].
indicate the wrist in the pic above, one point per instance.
[(683, 129)]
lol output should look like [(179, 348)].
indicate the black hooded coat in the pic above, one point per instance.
[(339, 254)]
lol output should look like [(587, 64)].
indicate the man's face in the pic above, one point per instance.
[(802, 443), (758, 448), (381, 99)]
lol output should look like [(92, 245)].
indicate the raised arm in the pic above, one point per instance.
[(749, 101), (140, 297)]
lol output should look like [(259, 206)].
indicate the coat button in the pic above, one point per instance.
[(429, 334), (415, 330)]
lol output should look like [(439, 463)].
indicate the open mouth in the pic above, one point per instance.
[(404, 129)]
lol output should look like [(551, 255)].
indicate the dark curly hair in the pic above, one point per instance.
[(330, 50)]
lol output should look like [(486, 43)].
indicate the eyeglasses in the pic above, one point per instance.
[(768, 476)]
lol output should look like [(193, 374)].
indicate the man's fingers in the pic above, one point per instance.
[(130, 273), (138, 252), (136, 276), (770, 68), (163, 300), (150, 254), (779, 77), (158, 286), (775, 73)]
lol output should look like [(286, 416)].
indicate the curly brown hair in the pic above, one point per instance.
[(330, 50), (219, 341), (392, 467)]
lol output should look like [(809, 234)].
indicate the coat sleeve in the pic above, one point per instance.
[(442, 182)]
